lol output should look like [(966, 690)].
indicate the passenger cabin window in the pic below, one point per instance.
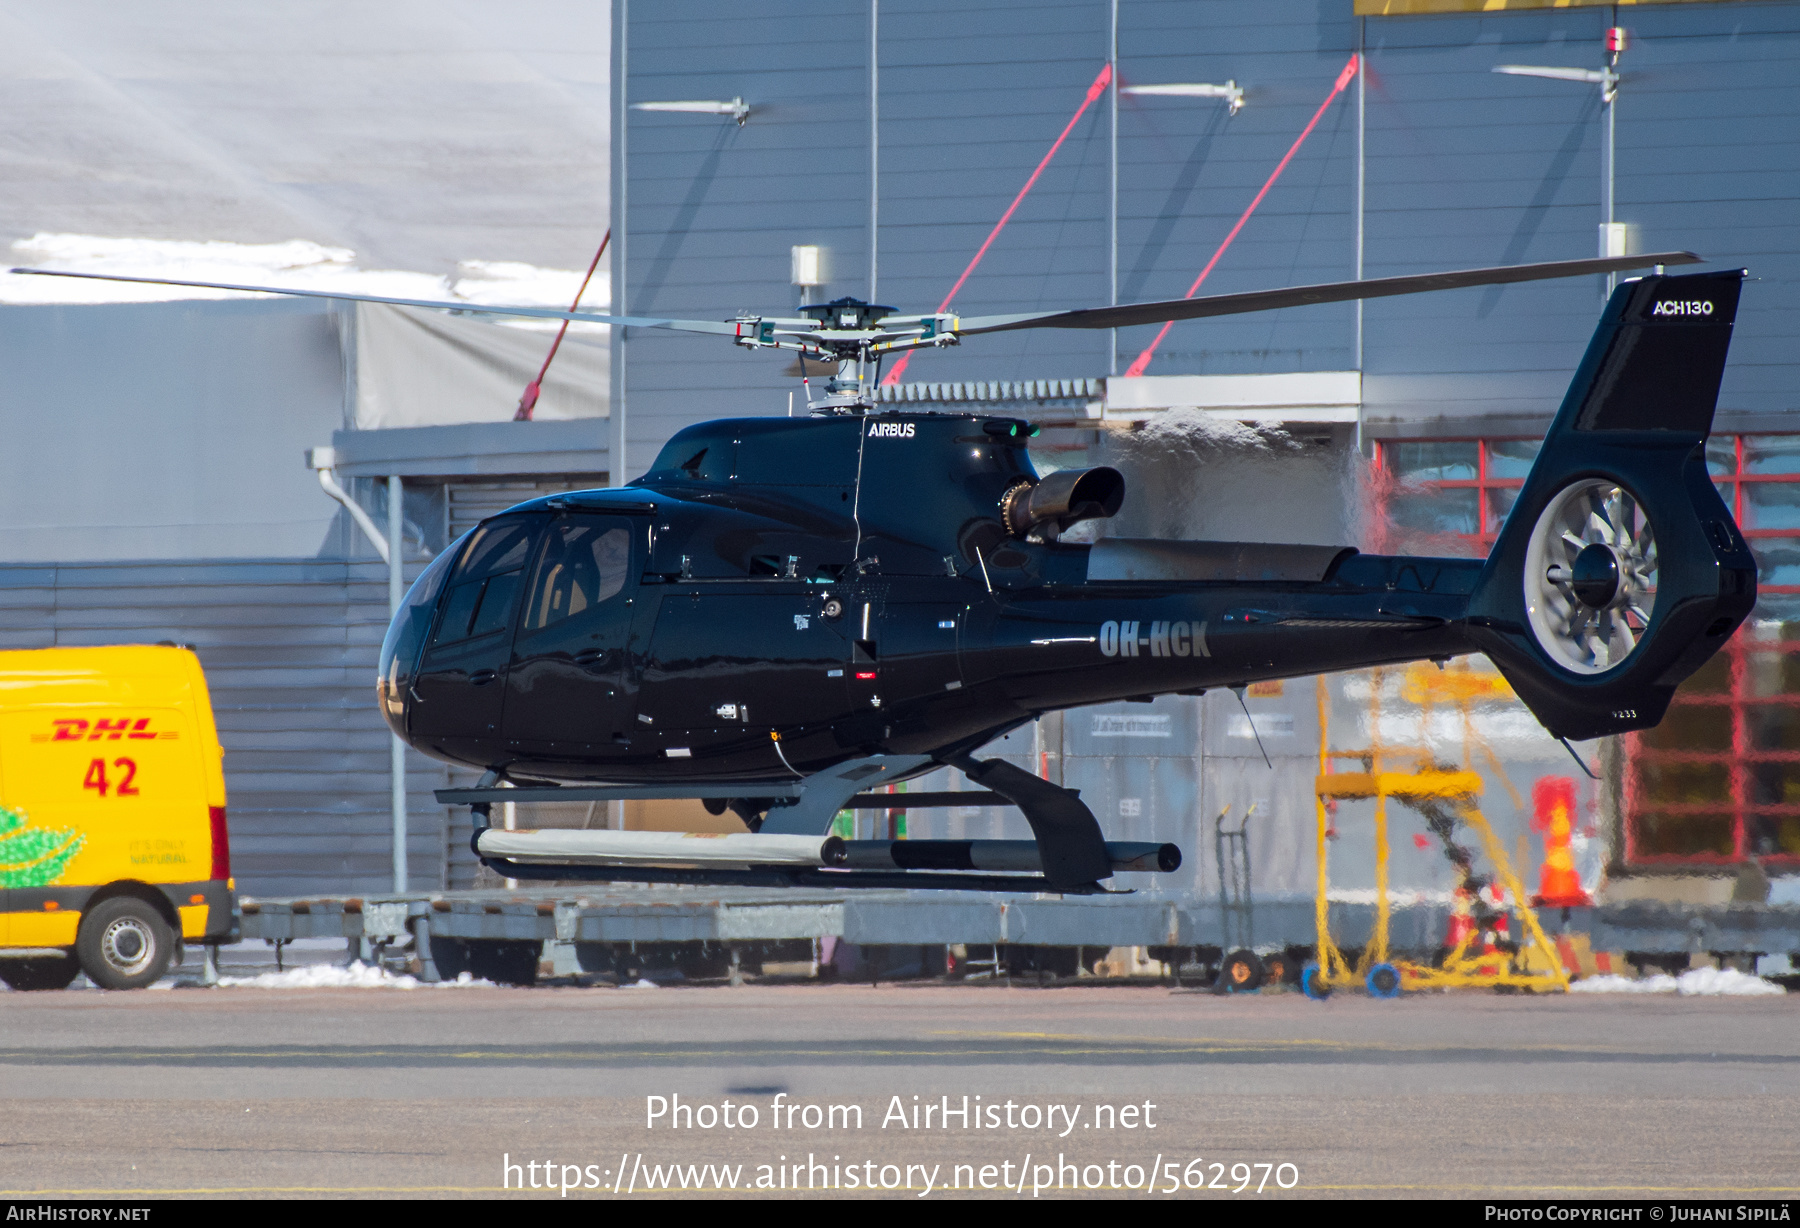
[(584, 564), (486, 584)]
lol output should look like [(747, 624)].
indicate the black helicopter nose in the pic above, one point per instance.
[(1595, 576)]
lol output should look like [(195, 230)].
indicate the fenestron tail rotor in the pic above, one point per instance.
[(1590, 576)]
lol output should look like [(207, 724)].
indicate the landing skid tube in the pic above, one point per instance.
[(1070, 847), (784, 876)]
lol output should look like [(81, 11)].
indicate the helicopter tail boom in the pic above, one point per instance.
[(1619, 570)]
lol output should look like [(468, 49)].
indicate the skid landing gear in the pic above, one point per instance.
[(789, 844)]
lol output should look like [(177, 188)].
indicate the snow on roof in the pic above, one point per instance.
[(297, 264), (418, 136)]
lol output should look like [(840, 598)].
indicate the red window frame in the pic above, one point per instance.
[(1389, 484), (1746, 656)]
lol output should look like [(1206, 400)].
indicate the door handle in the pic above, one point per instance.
[(482, 677), (590, 656)]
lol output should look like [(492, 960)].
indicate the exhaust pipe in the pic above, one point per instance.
[(1065, 498)]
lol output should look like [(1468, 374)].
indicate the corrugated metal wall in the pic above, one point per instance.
[(1470, 167), (289, 648), (1464, 167)]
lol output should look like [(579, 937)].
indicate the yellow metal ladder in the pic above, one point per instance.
[(1534, 966)]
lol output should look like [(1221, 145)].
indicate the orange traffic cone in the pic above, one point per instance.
[(1462, 919), (1553, 806)]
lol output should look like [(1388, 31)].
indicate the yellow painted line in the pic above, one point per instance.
[(1225, 1044), (1049, 1044), (1069, 1048), (1141, 1040)]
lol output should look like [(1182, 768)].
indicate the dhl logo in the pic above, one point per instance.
[(75, 729)]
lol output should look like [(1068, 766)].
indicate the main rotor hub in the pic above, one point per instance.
[(851, 313)]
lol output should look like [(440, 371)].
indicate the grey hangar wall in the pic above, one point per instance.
[(1461, 167)]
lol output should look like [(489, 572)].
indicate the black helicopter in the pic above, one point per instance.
[(784, 613)]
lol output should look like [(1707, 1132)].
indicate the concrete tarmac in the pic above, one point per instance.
[(250, 1092)]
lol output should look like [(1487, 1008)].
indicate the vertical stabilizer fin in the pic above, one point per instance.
[(1619, 570)]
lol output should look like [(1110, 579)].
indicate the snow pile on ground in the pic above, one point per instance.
[(1623, 984), (1701, 982), (296, 265), (335, 976), (1724, 981), (1396, 899), (640, 983)]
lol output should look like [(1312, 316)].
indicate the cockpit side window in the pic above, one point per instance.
[(584, 564)]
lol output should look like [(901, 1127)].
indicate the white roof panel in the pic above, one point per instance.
[(417, 135)]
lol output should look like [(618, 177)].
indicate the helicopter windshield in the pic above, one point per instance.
[(406, 634)]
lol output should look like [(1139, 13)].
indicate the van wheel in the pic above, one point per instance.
[(1278, 971), (1242, 972), (39, 972), (123, 943)]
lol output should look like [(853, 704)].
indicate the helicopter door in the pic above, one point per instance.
[(568, 691), (461, 686), (723, 664)]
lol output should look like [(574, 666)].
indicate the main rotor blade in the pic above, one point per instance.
[(1126, 315), (724, 328)]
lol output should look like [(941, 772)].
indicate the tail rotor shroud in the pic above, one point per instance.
[(1619, 570), (1590, 576)]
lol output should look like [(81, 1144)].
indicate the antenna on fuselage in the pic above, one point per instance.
[(1251, 720)]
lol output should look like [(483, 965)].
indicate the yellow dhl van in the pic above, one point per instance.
[(113, 847)]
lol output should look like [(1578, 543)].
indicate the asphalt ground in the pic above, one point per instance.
[(256, 1092)]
